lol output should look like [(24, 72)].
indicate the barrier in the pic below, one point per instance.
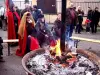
[(85, 39), (74, 38), (78, 39)]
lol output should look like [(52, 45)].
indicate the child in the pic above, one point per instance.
[(87, 22)]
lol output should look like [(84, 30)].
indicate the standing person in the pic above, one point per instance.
[(1, 48), (27, 35), (80, 14), (13, 23), (71, 19), (44, 35), (95, 20), (18, 11), (89, 19), (57, 26), (36, 13), (27, 9), (2, 12)]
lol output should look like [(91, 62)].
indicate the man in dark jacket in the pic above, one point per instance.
[(89, 17), (35, 13), (71, 19), (95, 20)]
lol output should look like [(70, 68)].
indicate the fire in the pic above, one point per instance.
[(56, 48)]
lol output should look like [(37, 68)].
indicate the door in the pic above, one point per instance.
[(48, 6)]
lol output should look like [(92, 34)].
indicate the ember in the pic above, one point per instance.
[(43, 63)]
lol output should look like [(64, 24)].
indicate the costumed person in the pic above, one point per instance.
[(57, 26), (13, 23), (27, 35), (44, 35)]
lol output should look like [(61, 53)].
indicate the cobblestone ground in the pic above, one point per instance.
[(12, 64)]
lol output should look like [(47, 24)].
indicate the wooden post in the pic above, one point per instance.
[(63, 28)]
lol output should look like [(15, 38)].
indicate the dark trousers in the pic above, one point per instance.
[(1, 24), (88, 27), (79, 27), (94, 27), (1, 48)]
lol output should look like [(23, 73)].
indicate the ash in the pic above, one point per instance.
[(41, 65)]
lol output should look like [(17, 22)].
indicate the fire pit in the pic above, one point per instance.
[(44, 62)]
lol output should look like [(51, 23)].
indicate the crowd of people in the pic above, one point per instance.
[(30, 27)]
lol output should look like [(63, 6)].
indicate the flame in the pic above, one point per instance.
[(56, 48)]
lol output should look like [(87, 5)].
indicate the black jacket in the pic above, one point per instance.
[(89, 15), (96, 16)]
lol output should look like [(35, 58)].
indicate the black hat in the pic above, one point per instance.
[(40, 16)]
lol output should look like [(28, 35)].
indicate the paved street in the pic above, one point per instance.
[(12, 64)]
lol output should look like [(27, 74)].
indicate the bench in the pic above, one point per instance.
[(9, 41)]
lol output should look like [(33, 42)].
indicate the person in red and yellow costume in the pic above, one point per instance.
[(13, 22), (27, 35)]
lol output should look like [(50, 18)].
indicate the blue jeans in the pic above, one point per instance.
[(68, 32)]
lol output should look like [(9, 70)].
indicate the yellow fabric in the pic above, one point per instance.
[(23, 24)]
